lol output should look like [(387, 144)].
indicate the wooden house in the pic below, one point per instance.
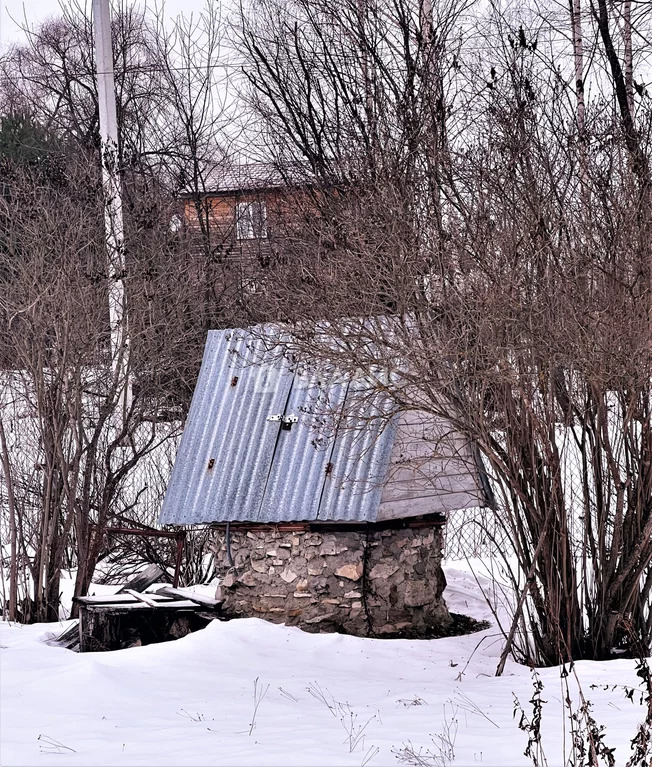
[(245, 210)]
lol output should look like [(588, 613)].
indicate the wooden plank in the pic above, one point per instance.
[(440, 486), (69, 638), (83, 639), (421, 435), (143, 598), (425, 470), (283, 527), (198, 598), (140, 582), (436, 504), (169, 605), (99, 599)]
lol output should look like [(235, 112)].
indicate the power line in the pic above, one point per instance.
[(543, 35)]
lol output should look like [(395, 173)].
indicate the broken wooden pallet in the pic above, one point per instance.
[(69, 639), (144, 579), (104, 621), (129, 618)]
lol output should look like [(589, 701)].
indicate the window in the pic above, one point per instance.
[(251, 220)]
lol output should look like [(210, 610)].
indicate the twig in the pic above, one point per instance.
[(53, 746), (288, 695), (259, 694)]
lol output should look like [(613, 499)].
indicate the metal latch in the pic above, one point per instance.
[(286, 420)]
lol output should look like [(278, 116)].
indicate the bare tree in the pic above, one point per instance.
[(68, 469), (195, 133), (172, 138), (175, 110), (52, 77), (448, 226)]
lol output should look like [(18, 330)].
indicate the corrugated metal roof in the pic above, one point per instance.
[(233, 464), (360, 459)]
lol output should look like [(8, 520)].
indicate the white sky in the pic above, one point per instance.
[(38, 10), (14, 12)]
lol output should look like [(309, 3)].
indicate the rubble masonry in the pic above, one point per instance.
[(369, 583)]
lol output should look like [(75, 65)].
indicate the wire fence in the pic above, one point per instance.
[(474, 532), (469, 533), (486, 533), (144, 487), (138, 494)]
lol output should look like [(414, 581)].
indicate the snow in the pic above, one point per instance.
[(247, 692)]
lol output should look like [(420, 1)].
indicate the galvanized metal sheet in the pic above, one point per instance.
[(303, 453), (359, 460), (226, 450), (236, 465), (233, 464)]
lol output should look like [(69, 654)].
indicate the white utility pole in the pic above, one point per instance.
[(112, 204)]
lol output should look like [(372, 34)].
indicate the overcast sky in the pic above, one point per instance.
[(38, 10)]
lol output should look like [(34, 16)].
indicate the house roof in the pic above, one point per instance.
[(248, 177), (235, 464)]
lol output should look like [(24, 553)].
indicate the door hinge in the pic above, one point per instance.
[(286, 420)]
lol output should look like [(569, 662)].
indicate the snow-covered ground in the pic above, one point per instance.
[(248, 692)]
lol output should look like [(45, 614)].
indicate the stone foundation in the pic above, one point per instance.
[(377, 583)]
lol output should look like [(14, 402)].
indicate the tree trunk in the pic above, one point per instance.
[(13, 551)]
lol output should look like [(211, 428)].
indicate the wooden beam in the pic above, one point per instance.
[(110, 599), (198, 598), (143, 598)]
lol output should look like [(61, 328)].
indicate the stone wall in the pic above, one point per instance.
[(378, 583)]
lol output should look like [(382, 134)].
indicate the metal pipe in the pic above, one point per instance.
[(181, 539), (229, 558)]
